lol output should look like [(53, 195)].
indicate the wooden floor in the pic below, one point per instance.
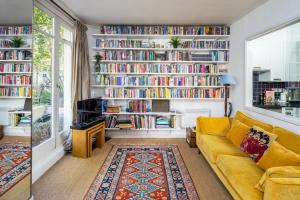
[(70, 178), (21, 190)]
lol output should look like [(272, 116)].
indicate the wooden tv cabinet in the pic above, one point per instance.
[(82, 140)]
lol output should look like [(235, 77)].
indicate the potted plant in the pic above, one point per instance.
[(17, 42), (175, 42), (98, 59)]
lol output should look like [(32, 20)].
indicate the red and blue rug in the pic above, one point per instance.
[(15, 162), (143, 172)]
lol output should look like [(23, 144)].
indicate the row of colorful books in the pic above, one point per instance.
[(206, 44), (164, 30), (204, 80), (21, 120), (141, 122), (7, 43), (14, 30), (139, 106), (12, 67), (15, 55), (164, 93), (194, 44), (15, 79), (150, 55), (161, 68), (15, 92)]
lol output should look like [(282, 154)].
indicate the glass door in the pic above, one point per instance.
[(51, 88), (42, 77)]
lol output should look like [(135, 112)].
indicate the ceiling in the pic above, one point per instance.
[(16, 11), (95, 12)]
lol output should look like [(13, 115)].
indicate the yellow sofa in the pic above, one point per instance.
[(238, 172)]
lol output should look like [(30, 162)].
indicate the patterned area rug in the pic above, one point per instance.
[(15, 162), (143, 172)]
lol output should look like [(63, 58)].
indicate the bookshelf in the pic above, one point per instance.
[(15, 62), (138, 63)]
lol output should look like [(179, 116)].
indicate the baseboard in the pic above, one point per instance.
[(38, 169)]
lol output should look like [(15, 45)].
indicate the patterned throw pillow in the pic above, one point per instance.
[(256, 142)]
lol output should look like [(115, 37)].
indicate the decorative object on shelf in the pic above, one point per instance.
[(175, 42), (145, 177), (17, 41), (98, 59), (227, 80)]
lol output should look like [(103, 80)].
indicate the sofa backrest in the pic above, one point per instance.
[(288, 139), (249, 121)]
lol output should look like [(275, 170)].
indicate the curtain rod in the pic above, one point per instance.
[(63, 10)]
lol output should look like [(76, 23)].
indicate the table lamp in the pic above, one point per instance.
[(227, 80)]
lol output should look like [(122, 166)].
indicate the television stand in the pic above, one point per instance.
[(82, 139)]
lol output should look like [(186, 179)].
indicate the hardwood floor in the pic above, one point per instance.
[(21, 190), (70, 178)]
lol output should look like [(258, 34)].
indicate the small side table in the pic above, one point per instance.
[(191, 137)]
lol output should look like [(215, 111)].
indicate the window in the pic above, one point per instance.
[(52, 67), (273, 65), (43, 35)]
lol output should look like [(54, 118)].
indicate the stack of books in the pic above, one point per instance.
[(125, 123), (162, 122), (113, 109), (25, 121)]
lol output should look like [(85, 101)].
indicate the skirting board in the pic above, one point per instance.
[(146, 134), (40, 168)]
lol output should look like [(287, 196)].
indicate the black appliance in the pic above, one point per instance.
[(89, 113)]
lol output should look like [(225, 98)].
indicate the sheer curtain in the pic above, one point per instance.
[(80, 85)]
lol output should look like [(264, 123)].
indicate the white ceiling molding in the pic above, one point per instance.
[(95, 12)]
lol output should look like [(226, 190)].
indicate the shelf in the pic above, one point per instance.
[(156, 49), (19, 112), (15, 61), (120, 86), (14, 35), (19, 127), (158, 74), (206, 99), (15, 48), (13, 97), (15, 72), (145, 113), (211, 37), (143, 129), (13, 85), (156, 61)]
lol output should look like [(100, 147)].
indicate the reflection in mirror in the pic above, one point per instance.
[(15, 98), (275, 62)]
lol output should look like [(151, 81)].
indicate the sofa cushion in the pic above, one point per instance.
[(246, 119), (237, 133), (242, 174), (277, 155), (216, 145), (288, 139), (256, 142), (214, 125)]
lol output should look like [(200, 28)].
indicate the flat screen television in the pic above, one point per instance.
[(88, 110)]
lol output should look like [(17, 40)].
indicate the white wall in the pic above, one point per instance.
[(268, 16)]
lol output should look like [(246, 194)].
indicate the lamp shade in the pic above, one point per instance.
[(227, 80)]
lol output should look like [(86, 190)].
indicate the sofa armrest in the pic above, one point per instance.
[(282, 189), (212, 125)]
